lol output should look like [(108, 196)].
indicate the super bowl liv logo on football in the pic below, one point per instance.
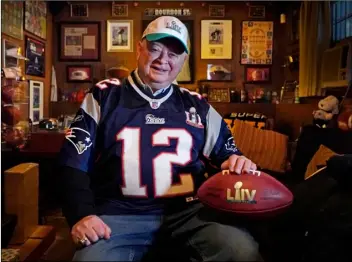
[(239, 194)]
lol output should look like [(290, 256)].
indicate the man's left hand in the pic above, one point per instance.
[(238, 164)]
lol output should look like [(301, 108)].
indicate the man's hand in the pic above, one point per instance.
[(89, 230), (238, 164)]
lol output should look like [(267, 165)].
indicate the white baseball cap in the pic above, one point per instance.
[(167, 26)]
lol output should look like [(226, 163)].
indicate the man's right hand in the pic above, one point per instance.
[(91, 229)]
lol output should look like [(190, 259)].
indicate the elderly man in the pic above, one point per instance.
[(135, 155)]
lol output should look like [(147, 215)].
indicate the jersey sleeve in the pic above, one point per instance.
[(80, 139), (219, 142)]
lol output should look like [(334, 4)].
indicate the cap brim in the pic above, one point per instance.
[(158, 36)]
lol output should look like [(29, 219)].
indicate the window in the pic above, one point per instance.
[(341, 20)]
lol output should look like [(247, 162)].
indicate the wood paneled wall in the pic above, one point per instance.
[(48, 58), (236, 11)]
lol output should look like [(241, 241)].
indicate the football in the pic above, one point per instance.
[(256, 194)]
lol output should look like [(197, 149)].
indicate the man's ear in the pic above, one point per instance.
[(185, 57), (139, 48)]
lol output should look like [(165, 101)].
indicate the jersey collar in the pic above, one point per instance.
[(146, 87), (154, 102)]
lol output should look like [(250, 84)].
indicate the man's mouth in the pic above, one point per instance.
[(158, 69)]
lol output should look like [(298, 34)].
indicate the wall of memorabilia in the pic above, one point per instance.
[(26, 32), (234, 46)]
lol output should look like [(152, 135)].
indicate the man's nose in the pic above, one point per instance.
[(163, 57)]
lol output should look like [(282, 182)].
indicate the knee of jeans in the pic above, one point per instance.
[(94, 252), (235, 244)]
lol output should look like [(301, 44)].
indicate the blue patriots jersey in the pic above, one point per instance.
[(140, 149)]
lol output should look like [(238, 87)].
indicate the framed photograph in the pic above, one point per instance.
[(119, 10), (35, 52), (119, 36), (217, 94), (36, 101), (216, 39), (256, 11), (12, 18), (186, 76), (219, 72), (79, 10), (257, 74), (216, 10), (79, 41), (79, 73), (257, 42), (35, 18)]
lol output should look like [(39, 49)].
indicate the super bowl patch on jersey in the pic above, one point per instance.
[(79, 138), (193, 119)]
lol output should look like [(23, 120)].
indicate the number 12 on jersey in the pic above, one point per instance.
[(162, 164)]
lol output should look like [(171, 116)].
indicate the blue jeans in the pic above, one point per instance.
[(189, 234)]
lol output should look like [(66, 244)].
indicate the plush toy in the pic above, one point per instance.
[(328, 107), (329, 104)]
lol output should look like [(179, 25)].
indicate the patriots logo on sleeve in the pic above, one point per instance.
[(230, 145), (79, 138)]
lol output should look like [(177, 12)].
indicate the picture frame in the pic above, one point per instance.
[(257, 74), (213, 43), (36, 101), (119, 10), (79, 41), (79, 10), (186, 76), (35, 53), (219, 94), (119, 35), (12, 18), (217, 10), (257, 42), (35, 18), (79, 74), (256, 11)]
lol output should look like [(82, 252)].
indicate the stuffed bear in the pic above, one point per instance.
[(328, 107), (321, 118), (329, 104)]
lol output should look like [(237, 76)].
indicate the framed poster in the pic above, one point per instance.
[(35, 52), (257, 42), (79, 73), (186, 76), (79, 41), (36, 101), (255, 74), (35, 17), (119, 35), (12, 18), (216, 39)]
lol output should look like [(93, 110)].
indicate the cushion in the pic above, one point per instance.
[(318, 161), (266, 148)]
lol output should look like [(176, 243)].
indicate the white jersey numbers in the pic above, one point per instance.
[(162, 163)]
